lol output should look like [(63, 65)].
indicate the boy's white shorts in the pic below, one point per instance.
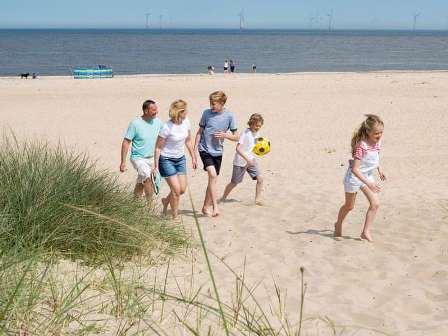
[(143, 166)]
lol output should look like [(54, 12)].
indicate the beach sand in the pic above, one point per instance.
[(398, 284)]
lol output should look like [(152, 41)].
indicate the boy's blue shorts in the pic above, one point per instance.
[(172, 166)]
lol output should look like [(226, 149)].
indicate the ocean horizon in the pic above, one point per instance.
[(129, 51)]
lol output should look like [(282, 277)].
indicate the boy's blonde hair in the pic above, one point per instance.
[(362, 133), (217, 96), (255, 118), (177, 107)]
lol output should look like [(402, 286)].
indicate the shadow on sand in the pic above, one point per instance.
[(324, 233)]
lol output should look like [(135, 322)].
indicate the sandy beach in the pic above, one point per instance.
[(398, 284)]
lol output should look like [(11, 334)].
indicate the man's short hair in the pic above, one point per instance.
[(146, 104)]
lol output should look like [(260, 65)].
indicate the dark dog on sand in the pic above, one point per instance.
[(24, 75)]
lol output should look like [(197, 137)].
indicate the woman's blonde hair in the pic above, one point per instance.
[(217, 96), (255, 118), (364, 129), (177, 107)]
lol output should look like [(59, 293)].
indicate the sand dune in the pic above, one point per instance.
[(398, 284)]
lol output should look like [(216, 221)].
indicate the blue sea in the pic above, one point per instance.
[(57, 52)]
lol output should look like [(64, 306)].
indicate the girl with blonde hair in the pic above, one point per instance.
[(365, 145), (169, 157)]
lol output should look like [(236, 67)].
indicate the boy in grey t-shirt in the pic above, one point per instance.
[(213, 129)]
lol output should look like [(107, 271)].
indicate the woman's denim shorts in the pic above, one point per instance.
[(172, 166)]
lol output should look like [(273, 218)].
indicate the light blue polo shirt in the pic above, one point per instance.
[(212, 122), (143, 135)]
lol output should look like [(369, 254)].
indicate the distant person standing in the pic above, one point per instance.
[(211, 69), (141, 136), (232, 66), (254, 68), (226, 66)]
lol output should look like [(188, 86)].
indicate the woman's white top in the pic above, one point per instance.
[(174, 135)]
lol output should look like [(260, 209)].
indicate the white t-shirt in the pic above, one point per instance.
[(247, 143), (174, 136)]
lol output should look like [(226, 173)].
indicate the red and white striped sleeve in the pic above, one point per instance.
[(359, 152)]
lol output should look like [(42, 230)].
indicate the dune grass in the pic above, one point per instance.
[(55, 203), (55, 199)]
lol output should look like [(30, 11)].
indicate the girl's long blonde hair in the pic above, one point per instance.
[(362, 133), (177, 107)]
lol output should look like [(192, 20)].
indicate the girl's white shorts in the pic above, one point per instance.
[(352, 184)]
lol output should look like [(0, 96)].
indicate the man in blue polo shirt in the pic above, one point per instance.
[(141, 136)]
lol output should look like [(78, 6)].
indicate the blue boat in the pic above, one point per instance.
[(91, 73)]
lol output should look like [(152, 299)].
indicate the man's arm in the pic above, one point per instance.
[(124, 153)]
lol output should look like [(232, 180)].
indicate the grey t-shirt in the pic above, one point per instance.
[(212, 122)]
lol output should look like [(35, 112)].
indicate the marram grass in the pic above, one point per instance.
[(57, 200)]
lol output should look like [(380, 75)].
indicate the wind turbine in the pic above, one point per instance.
[(330, 21), (147, 20), (160, 21), (242, 20), (415, 21)]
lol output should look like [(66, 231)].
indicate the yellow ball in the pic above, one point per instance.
[(262, 146)]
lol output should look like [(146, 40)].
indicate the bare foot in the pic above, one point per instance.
[(337, 231), (177, 219), (206, 212), (165, 202), (150, 204), (221, 200), (215, 212), (259, 202), (366, 236)]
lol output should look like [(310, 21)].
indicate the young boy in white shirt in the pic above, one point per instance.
[(244, 160)]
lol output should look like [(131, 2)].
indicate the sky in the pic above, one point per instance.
[(262, 14)]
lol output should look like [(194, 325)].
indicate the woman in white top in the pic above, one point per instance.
[(169, 157)]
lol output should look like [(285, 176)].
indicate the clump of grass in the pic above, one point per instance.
[(33, 302), (58, 200)]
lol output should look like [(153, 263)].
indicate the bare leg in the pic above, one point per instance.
[(343, 211), (227, 191), (138, 190), (259, 190), (147, 188), (210, 196), (207, 203), (182, 178), (165, 202), (371, 212), (174, 184)]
